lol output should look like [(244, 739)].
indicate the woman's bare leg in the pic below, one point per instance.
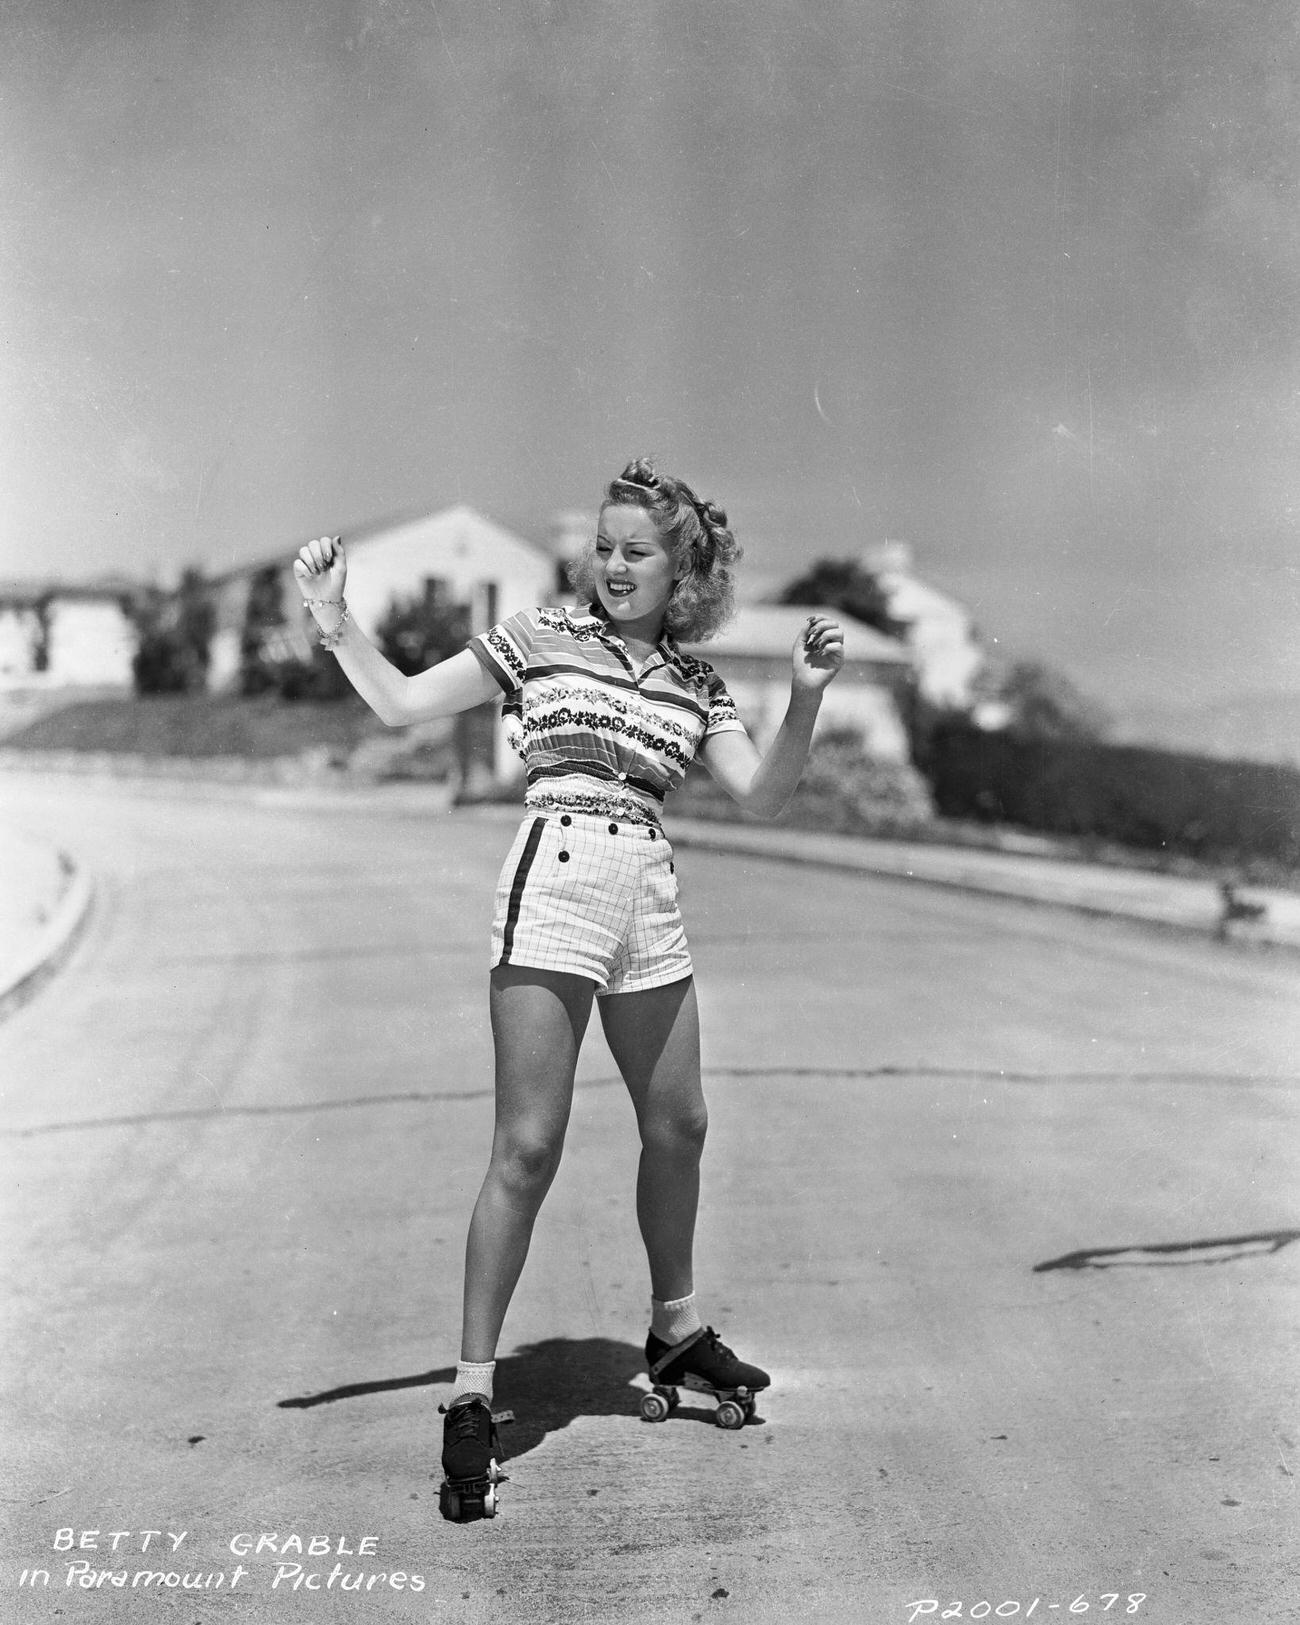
[(654, 1037), (538, 1021)]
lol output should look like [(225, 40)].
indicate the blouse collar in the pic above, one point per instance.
[(596, 615)]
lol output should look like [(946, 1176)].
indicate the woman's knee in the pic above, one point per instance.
[(525, 1159), (679, 1134)]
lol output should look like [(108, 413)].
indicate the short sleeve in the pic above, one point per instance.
[(504, 649), (723, 717)]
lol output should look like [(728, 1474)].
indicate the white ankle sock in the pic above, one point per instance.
[(473, 1379), (674, 1319)]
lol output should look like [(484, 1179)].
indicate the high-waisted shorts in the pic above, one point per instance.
[(593, 897)]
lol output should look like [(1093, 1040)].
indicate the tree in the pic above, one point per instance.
[(41, 634), (419, 631), (173, 637), (319, 677), (845, 585), (270, 660), (196, 620), (263, 613), (154, 667), (1043, 703)]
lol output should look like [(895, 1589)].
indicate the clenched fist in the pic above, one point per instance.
[(321, 568)]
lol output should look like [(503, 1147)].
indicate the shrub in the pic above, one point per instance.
[(418, 632), (843, 789), (173, 637), (1190, 806)]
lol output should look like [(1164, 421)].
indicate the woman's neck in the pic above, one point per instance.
[(642, 637)]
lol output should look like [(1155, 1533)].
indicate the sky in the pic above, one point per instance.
[(1016, 281)]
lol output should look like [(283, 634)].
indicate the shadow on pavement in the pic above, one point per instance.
[(545, 1384), (1164, 1254)]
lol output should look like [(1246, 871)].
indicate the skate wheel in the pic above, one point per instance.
[(490, 1502), (655, 1407), (730, 1415)]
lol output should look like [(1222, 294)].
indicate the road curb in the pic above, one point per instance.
[(1165, 902), (1171, 903), (52, 943)]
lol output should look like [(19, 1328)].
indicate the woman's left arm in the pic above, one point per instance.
[(763, 784)]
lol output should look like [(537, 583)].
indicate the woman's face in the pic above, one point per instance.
[(634, 570)]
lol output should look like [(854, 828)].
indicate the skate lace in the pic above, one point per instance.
[(462, 1422), (717, 1346)]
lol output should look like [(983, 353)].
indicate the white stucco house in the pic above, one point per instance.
[(457, 556), (56, 636), (753, 657)]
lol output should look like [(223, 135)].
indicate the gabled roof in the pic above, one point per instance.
[(768, 631), (459, 521), (28, 594), (910, 598)]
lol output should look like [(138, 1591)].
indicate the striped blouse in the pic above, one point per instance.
[(597, 735)]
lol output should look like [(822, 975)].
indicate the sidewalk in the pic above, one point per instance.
[(45, 896), (45, 899), (1173, 901)]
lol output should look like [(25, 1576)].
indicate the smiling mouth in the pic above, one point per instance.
[(619, 589)]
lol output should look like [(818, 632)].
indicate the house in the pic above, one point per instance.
[(945, 649), (752, 655), (457, 556), (22, 630), (54, 636), (869, 697)]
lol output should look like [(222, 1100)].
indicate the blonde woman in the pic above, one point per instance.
[(609, 713)]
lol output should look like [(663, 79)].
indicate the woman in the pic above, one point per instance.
[(609, 714)]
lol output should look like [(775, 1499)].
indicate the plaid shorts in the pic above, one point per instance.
[(594, 897)]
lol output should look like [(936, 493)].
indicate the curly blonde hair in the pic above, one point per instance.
[(697, 536)]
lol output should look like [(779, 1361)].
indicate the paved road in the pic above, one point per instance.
[(1005, 1198)]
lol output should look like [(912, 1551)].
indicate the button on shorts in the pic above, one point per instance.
[(594, 897)]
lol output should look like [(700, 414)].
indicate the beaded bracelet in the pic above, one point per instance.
[(330, 640)]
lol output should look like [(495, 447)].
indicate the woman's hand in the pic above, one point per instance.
[(321, 569), (818, 654)]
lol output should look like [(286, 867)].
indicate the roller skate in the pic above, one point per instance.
[(471, 1453), (703, 1364)]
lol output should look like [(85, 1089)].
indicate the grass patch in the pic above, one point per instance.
[(200, 725)]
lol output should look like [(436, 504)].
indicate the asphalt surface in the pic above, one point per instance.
[(1005, 1198)]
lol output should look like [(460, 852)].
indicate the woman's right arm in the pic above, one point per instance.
[(452, 685)]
